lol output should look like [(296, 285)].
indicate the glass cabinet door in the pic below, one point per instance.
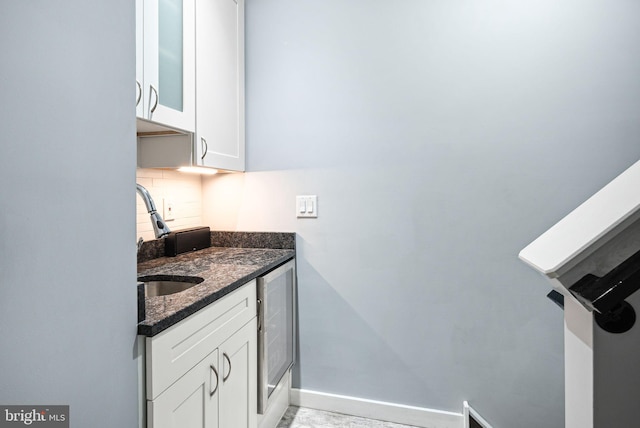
[(169, 62), (170, 53)]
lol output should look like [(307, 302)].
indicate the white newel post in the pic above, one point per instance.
[(578, 365), (592, 257)]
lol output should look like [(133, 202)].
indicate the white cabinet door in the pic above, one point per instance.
[(168, 57), (139, 58), (220, 391), (220, 84), (191, 402), (238, 388)]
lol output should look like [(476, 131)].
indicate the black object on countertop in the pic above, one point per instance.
[(184, 241), (141, 309)]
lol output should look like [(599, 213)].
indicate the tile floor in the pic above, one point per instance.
[(300, 417)]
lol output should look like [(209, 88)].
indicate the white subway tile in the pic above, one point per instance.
[(184, 191)]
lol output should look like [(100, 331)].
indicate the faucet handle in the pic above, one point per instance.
[(140, 242)]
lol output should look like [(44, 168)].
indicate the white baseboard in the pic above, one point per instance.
[(397, 413)]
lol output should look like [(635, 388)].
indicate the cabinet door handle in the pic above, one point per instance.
[(205, 147), (155, 104), (259, 316), (139, 93), (213, 369), (224, 354)]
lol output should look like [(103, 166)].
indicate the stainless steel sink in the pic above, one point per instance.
[(162, 285)]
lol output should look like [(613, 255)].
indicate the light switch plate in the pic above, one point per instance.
[(307, 206)]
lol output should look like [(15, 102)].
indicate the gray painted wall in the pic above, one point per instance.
[(441, 137), (67, 208)]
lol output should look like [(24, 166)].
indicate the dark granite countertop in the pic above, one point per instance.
[(224, 269)]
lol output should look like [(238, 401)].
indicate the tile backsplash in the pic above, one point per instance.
[(184, 191)]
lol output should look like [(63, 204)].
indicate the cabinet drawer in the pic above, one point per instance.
[(173, 352)]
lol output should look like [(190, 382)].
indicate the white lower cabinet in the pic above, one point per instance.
[(202, 372), (192, 402), (239, 385)]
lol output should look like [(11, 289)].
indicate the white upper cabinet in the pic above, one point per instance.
[(165, 62), (220, 84), (190, 77), (139, 58)]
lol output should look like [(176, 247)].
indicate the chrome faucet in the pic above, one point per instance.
[(159, 226)]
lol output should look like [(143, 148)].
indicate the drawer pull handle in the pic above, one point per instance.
[(213, 369), (224, 354)]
